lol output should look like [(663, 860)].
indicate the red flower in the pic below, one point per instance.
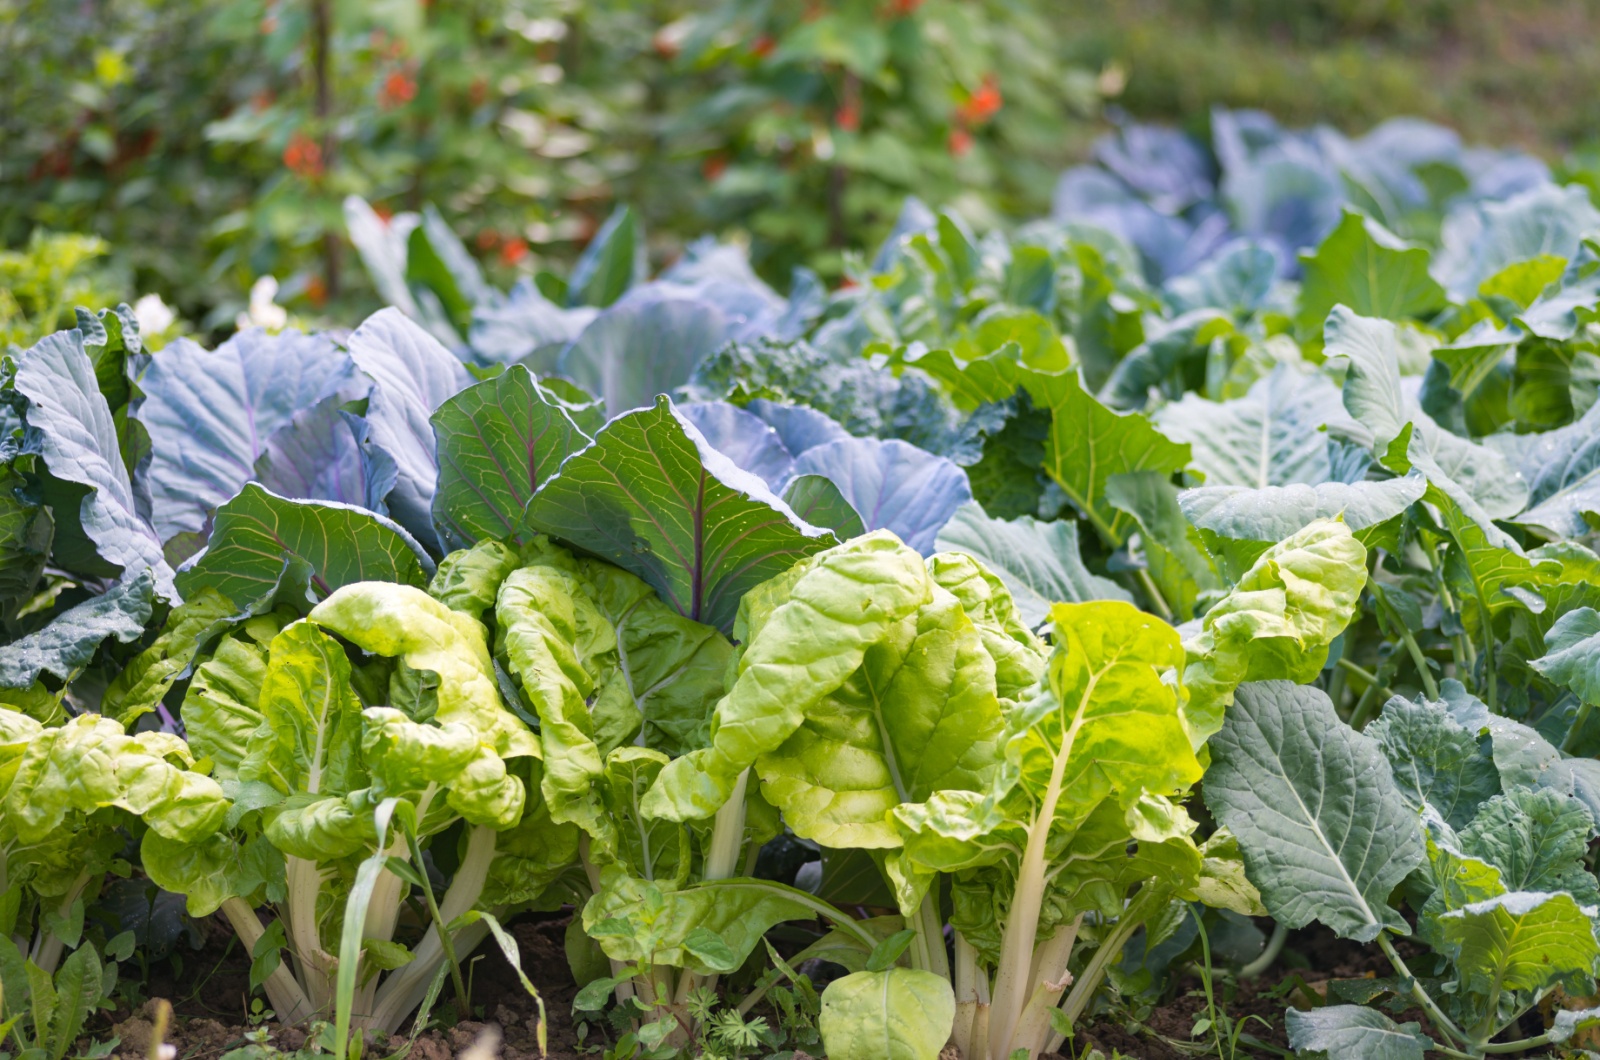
[(513, 250), (982, 104), (303, 156), (903, 8), (763, 46), (714, 166), (960, 142), (398, 89), (848, 117)]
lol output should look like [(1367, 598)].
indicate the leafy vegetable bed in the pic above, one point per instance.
[(980, 656)]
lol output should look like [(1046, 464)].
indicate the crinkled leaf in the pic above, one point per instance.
[(67, 645), (1278, 621), (404, 622), (310, 738), (633, 919), (1436, 761), (543, 612), (89, 763), (1223, 883), (468, 579), (671, 668), (1537, 840), (209, 872), (191, 628), (921, 715), (1108, 708), (219, 710), (806, 633)]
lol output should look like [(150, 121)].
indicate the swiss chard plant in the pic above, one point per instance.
[(966, 585)]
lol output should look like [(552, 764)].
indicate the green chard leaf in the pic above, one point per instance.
[(898, 1014), (1277, 622)]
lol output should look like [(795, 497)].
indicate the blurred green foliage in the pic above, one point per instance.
[(1521, 74), (41, 284), (212, 141)]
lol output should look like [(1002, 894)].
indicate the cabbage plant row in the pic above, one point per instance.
[(1011, 621)]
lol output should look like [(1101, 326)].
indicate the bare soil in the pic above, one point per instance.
[(211, 1013)]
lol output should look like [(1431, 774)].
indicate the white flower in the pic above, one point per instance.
[(153, 315), (263, 311)]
